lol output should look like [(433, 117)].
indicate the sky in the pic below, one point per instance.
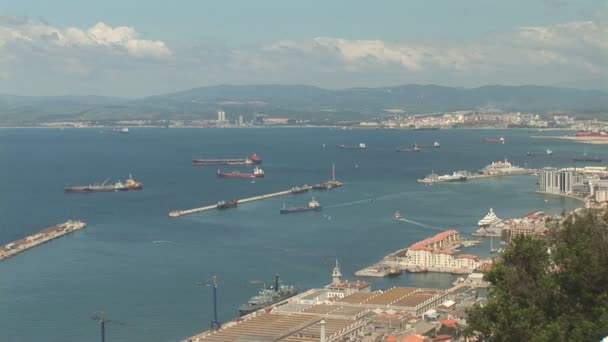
[(130, 48)]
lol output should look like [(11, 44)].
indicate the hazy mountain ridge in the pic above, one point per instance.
[(302, 102)]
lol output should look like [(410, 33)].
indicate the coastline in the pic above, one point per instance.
[(561, 195), (580, 140)]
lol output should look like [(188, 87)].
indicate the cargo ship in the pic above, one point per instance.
[(435, 144), (129, 185), (413, 149), (360, 146), (257, 173), (253, 159), (312, 206), (300, 189), (494, 140), (268, 296), (227, 204), (124, 130)]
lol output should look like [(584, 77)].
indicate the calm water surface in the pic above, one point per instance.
[(142, 267)]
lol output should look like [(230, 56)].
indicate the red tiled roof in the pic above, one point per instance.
[(391, 338), (452, 323), (467, 256), (413, 338)]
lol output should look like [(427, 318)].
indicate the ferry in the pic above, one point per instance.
[(312, 206)]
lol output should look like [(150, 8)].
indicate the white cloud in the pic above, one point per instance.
[(101, 36)]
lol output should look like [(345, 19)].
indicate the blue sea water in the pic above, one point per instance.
[(144, 268)]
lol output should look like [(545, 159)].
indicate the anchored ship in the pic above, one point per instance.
[(253, 159), (312, 206), (268, 296), (489, 219), (414, 149), (300, 189), (435, 144), (257, 173), (227, 204), (124, 130), (494, 140), (360, 146), (129, 185)]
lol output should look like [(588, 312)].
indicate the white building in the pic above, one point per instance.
[(221, 116), (433, 252)]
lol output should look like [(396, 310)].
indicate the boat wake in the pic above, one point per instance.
[(420, 224), (164, 241)]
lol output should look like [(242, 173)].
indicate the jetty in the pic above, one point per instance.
[(179, 213), (46, 235)]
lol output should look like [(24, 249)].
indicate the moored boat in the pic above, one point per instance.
[(257, 173), (129, 185), (227, 204), (253, 159), (268, 296), (489, 219)]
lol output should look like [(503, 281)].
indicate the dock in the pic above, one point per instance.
[(46, 235), (179, 213), (471, 176)]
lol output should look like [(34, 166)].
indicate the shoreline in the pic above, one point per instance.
[(562, 195), (580, 140)]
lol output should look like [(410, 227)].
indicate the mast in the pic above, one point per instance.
[(333, 172)]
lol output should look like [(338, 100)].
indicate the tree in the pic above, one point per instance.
[(553, 289)]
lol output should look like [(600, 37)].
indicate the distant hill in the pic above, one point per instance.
[(304, 102)]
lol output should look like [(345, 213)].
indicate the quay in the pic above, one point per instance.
[(48, 234), (179, 213)]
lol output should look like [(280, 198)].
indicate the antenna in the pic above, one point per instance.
[(101, 318)]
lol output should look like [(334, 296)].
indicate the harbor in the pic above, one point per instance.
[(435, 254), (221, 205), (46, 235)]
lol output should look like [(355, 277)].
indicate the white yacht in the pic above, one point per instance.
[(489, 219)]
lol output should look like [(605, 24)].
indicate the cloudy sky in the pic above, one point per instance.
[(135, 48)]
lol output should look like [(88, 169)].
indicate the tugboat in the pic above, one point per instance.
[(253, 159), (360, 146), (257, 173), (227, 205), (129, 185), (312, 206), (268, 296)]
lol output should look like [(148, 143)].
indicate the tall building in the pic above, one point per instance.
[(555, 181), (221, 116), (241, 120)]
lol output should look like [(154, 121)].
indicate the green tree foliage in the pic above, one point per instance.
[(553, 289)]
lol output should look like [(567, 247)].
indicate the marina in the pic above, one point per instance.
[(46, 235)]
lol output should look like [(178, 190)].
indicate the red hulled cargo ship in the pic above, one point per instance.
[(253, 159), (257, 173)]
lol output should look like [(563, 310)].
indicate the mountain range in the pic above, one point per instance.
[(302, 102)]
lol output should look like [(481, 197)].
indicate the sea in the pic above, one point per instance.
[(150, 274)]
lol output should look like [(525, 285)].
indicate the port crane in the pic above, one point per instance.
[(215, 323)]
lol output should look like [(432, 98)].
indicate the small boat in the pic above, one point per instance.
[(312, 206), (227, 204), (435, 144), (397, 216), (549, 152), (528, 153), (123, 130), (394, 271)]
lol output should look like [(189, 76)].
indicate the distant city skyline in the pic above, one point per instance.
[(138, 48)]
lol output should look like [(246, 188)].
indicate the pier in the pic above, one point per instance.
[(46, 235), (179, 213), (470, 176)]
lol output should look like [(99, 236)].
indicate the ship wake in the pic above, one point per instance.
[(420, 224)]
